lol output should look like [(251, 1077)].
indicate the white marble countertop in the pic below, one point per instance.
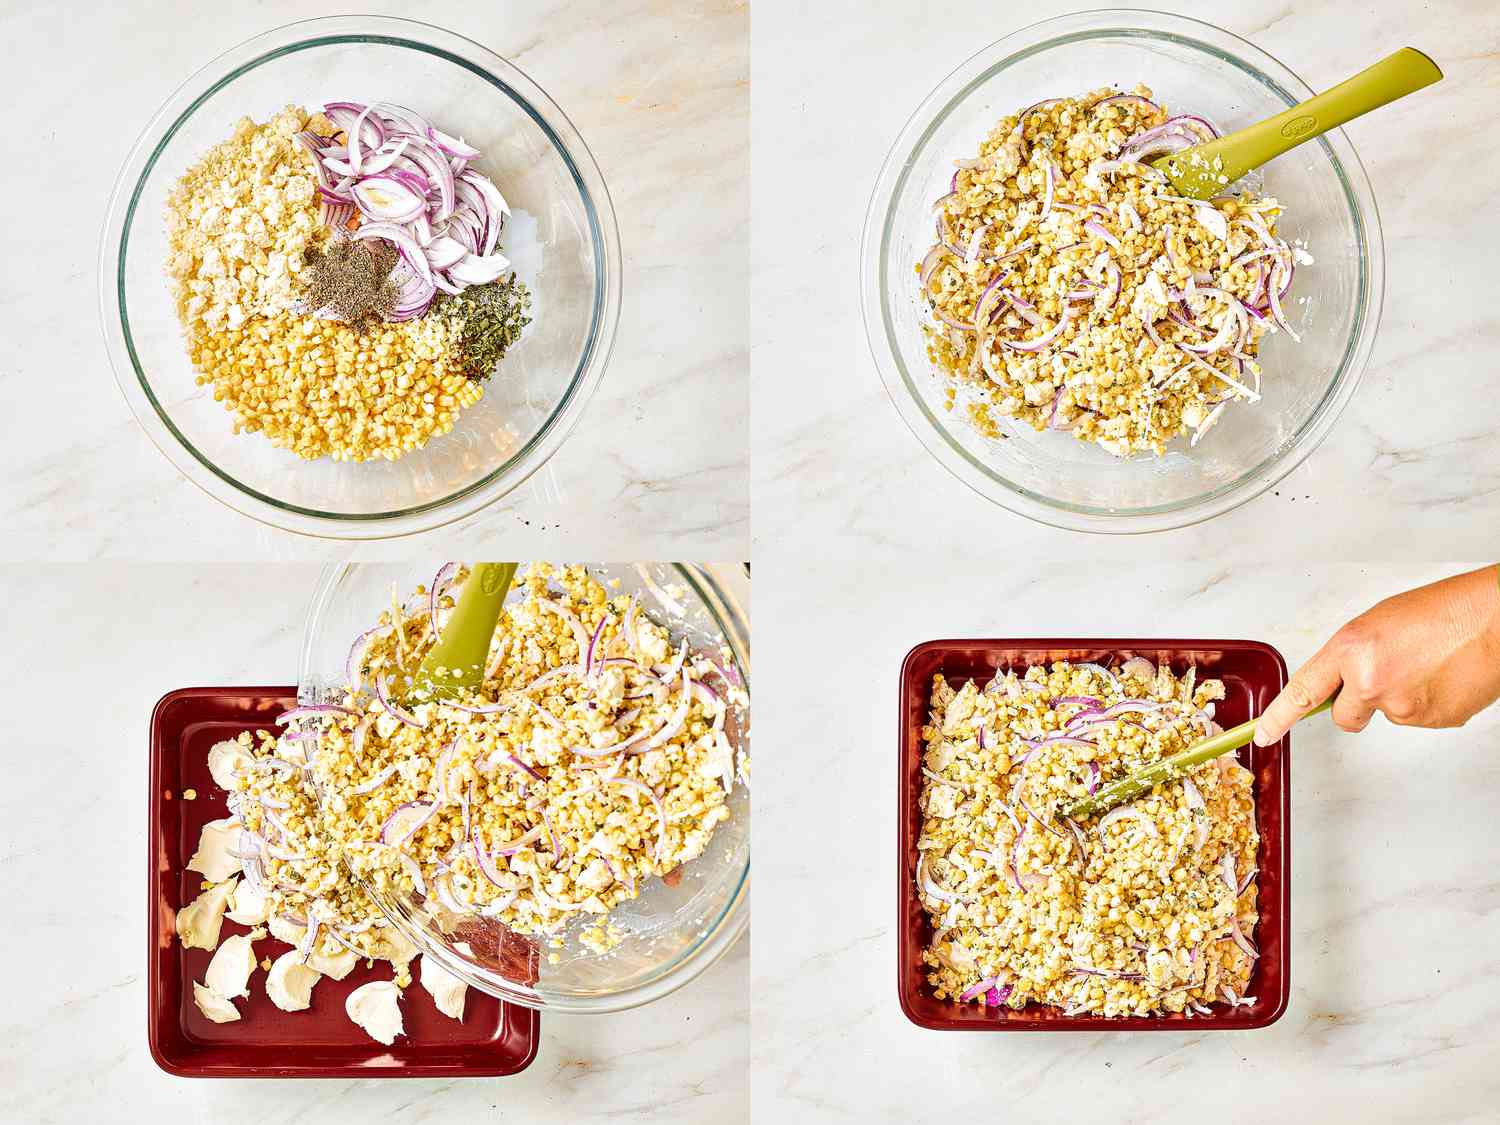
[(1395, 913), (1412, 469), (659, 464), (75, 805)]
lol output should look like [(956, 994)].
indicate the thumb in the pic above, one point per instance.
[(1312, 683)]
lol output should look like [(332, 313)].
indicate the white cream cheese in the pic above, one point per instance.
[(229, 971), (215, 842), (336, 965), (289, 984), (199, 922), (446, 990), (376, 1008), (225, 760), (214, 1006), (249, 905)]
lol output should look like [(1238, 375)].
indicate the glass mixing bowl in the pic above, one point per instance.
[(1192, 67), (671, 933), (561, 237)]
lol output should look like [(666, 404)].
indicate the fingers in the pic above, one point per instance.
[(1312, 683), (1351, 711)]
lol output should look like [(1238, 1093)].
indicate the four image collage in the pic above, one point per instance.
[(1095, 401)]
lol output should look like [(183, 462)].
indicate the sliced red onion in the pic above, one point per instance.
[(580, 634), (1226, 868), (1045, 339), (661, 810), (355, 683), (548, 677), (440, 773), (1093, 786), (310, 940), (439, 581), (520, 842), (1077, 741), (928, 887), (982, 987), (1129, 99), (1252, 395), (443, 252), (411, 252), (1105, 673), (506, 756), (679, 717), (557, 849), (1056, 402), (406, 822), (1098, 230), (1278, 314), (312, 709), (971, 253), (1051, 189), (375, 782), (1196, 803), (387, 200), (1014, 251), (391, 709), (453, 146), (485, 861), (1240, 939), (588, 660), (1077, 831)]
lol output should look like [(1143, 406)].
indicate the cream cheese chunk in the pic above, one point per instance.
[(446, 990), (284, 929), (229, 971), (249, 905), (214, 1006), (225, 760), (289, 984), (336, 965), (199, 922), (215, 842), (376, 1008)]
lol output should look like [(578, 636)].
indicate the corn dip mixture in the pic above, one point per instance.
[(1144, 910), (593, 758), (1072, 289)]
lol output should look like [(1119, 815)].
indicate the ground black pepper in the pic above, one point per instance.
[(352, 281)]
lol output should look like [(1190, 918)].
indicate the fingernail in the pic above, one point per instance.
[(1261, 739)]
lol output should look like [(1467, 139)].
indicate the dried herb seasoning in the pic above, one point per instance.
[(490, 318), (352, 281)]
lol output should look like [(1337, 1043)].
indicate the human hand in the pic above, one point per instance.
[(1427, 658)]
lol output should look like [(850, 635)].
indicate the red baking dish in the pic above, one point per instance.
[(1252, 673), (493, 1039)]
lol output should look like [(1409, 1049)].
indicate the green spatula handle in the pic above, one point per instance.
[(1392, 77), (465, 642), (1142, 781)]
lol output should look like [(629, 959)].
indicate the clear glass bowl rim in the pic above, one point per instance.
[(719, 936), (900, 384), (277, 43)]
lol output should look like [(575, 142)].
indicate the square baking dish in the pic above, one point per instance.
[(1252, 672), (494, 1038)]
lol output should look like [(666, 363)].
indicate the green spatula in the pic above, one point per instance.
[(1142, 781), (1206, 170), (464, 645)]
